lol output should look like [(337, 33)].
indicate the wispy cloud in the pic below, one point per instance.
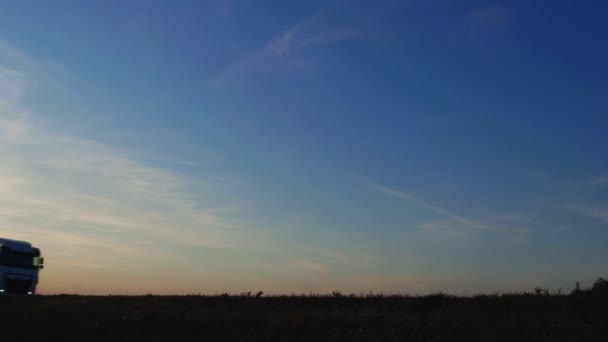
[(310, 33), (593, 212), (224, 8), (446, 230), (97, 209), (596, 182), (92, 205), (74, 181), (485, 19), (37, 72), (9, 55), (419, 202), (284, 52), (516, 227), (12, 85)]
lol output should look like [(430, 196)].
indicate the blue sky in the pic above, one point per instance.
[(235, 145)]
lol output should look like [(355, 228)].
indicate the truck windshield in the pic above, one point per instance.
[(13, 258)]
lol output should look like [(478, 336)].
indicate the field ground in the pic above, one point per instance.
[(305, 318)]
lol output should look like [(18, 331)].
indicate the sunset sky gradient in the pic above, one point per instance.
[(237, 145)]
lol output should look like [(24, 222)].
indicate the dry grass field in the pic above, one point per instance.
[(335, 317)]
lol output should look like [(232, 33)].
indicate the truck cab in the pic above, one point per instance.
[(20, 264)]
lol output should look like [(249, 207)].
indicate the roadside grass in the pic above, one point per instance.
[(535, 316)]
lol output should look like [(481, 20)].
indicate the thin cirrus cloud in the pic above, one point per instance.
[(485, 19), (71, 194), (596, 182), (515, 227), (592, 212), (36, 71), (284, 52), (100, 213), (418, 202), (224, 8)]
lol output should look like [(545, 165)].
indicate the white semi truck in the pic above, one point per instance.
[(20, 264)]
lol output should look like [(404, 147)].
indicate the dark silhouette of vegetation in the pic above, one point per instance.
[(577, 289), (600, 286), (540, 315)]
